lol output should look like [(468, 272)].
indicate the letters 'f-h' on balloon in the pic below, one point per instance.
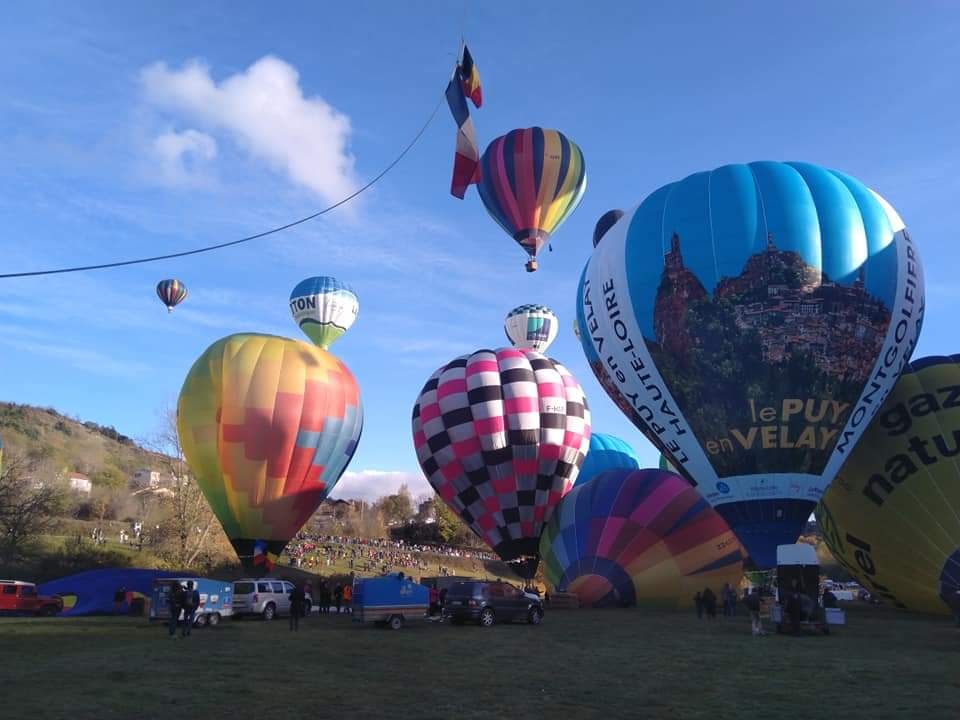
[(500, 435), (750, 320), (531, 180), (267, 426)]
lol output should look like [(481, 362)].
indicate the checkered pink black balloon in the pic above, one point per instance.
[(501, 435)]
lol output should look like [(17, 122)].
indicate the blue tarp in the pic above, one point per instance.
[(92, 592)]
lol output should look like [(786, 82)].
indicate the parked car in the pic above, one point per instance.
[(487, 603), (216, 599), (21, 598), (266, 597)]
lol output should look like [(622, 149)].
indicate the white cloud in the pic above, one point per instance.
[(184, 158), (372, 484), (265, 111), (80, 358)]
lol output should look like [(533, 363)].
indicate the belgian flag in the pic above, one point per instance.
[(470, 77)]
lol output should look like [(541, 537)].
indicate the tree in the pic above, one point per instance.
[(29, 503), (109, 476), (397, 508), (187, 532), (450, 528)]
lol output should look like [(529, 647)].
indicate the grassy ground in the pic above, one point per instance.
[(578, 664)]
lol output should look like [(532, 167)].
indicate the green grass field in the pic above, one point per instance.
[(578, 664)]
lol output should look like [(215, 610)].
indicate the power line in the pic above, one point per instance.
[(272, 231)]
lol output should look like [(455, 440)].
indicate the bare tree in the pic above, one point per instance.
[(29, 504), (184, 533)]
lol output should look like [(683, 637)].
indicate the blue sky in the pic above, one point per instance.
[(137, 129)]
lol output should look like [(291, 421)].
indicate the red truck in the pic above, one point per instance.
[(21, 598)]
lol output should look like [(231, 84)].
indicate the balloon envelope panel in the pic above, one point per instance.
[(500, 435), (267, 425), (751, 319), (631, 537), (892, 515), (607, 452)]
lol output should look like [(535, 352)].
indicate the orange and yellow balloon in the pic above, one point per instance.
[(267, 425)]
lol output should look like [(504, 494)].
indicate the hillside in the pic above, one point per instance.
[(105, 455)]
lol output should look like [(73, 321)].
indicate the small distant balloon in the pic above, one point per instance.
[(533, 327), (606, 221), (324, 308), (171, 292)]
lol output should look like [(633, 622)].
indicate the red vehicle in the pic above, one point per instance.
[(21, 598)]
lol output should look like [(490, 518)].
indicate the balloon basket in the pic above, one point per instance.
[(531, 265)]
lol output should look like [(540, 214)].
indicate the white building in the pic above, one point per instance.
[(79, 483), (145, 479)]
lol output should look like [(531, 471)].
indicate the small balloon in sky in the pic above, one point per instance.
[(324, 308), (533, 327), (171, 292)]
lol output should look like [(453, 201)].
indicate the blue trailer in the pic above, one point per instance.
[(216, 599), (392, 599)]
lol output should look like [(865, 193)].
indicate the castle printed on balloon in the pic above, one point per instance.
[(787, 328)]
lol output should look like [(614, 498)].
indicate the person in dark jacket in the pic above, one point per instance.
[(176, 605), (752, 601), (324, 597), (710, 603), (191, 601), (297, 599), (698, 602), (338, 597)]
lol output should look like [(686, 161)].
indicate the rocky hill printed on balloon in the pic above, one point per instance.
[(636, 537), (750, 320), (501, 435), (892, 515)]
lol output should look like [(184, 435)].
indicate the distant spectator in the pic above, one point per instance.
[(308, 593), (297, 598), (324, 597), (175, 602), (698, 602), (191, 600), (710, 604), (443, 598), (347, 596), (434, 599), (752, 601), (829, 599), (338, 597), (119, 597)]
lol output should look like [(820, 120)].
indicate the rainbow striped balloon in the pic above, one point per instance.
[(268, 426), (635, 537), (531, 180)]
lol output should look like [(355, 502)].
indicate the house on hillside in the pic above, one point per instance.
[(144, 478), (79, 483), (427, 512)]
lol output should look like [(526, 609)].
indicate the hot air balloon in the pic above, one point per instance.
[(531, 180), (606, 221), (754, 318), (607, 452), (171, 293), (892, 515), (533, 327), (500, 435), (267, 425), (324, 308), (638, 537)]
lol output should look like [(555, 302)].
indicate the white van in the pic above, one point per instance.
[(265, 597)]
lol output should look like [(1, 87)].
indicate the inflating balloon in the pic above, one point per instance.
[(267, 425), (606, 221), (892, 515), (607, 452), (753, 319), (171, 293), (533, 327), (500, 435), (531, 180), (632, 537), (324, 308)]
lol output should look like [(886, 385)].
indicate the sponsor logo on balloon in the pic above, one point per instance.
[(723, 487)]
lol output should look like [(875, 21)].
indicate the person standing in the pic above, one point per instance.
[(118, 599), (308, 595), (297, 597), (752, 602), (347, 596), (338, 597), (433, 596), (175, 602), (191, 599), (698, 601), (710, 604), (324, 598)]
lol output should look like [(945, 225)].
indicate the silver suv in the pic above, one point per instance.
[(264, 596)]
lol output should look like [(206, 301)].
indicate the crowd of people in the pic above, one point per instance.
[(313, 552)]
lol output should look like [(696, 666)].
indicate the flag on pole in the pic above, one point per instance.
[(466, 162), (470, 77)]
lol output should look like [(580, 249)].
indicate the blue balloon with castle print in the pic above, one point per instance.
[(750, 320)]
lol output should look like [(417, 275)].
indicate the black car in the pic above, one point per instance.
[(489, 602)]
